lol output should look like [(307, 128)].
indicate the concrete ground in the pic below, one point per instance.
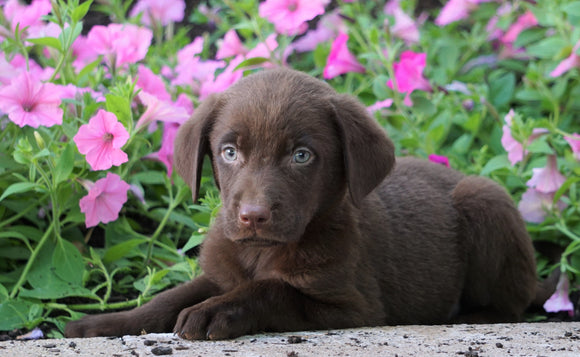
[(524, 339)]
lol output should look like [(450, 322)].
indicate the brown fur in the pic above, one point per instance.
[(337, 241)]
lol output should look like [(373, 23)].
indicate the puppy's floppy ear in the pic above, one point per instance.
[(192, 143), (369, 155)]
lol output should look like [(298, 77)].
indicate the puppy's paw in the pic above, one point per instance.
[(214, 320), (94, 326)]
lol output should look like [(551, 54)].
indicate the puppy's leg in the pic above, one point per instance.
[(158, 315), (501, 273), (266, 305)]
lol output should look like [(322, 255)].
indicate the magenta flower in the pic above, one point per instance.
[(264, 49), (26, 15), (568, 63), (439, 159), (289, 16), (151, 83), (230, 46), (221, 82), (409, 74), (560, 300), (574, 142), (27, 101), (105, 200), (547, 179), (455, 10), (404, 28), (101, 141), (165, 153), (161, 110), (340, 60), (160, 11), (380, 105), (535, 205), (120, 43)]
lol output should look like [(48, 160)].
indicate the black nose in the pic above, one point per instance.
[(254, 215)]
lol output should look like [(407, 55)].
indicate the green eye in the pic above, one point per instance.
[(229, 153), (301, 156)]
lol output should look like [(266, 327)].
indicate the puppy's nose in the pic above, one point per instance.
[(254, 215)]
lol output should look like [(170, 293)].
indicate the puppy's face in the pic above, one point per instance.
[(285, 149), (278, 162)]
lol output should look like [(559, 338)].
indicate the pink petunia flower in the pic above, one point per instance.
[(439, 159), (404, 28), (574, 142), (230, 46), (161, 110), (151, 83), (120, 43), (26, 15), (329, 26), (560, 300), (160, 11), (380, 105), (409, 74), (289, 16), (513, 147), (340, 60), (101, 141), (568, 63), (523, 22), (223, 80), (535, 205), (547, 179), (105, 200), (165, 153), (28, 101)]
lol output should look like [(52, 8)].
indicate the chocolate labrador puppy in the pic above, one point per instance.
[(322, 228)]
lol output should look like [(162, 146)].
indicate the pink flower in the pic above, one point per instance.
[(105, 200), (223, 80), (329, 26), (160, 110), (574, 142), (380, 105), (513, 147), (151, 83), (120, 43), (535, 205), (439, 159), (547, 179), (455, 10), (523, 22), (289, 16), (27, 101), (165, 154), (409, 74), (101, 141), (264, 49), (340, 60), (568, 63), (26, 15), (230, 46), (560, 300), (404, 28), (187, 59), (161, 11)]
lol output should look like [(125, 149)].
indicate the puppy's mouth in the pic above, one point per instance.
[(259, 242)]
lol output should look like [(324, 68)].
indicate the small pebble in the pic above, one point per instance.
[(162, 351)]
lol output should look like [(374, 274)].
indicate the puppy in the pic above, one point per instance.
[(322, 228)]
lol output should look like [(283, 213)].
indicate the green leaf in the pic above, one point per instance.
[(46, 41), (120, 107), (496, 163), (193, 242), (65, 163), (120, 250), (254, 61), (15, 314), (572, 8), (80, 12), (547, 48), (540, 146), (89, 68), (565, 186), (68, 263), (501, 90), (18, 187)]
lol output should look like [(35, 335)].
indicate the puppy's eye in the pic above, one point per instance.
[(229, 153), (301, 156)]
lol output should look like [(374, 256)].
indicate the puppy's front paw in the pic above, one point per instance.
[(214, 320), (96, 325)]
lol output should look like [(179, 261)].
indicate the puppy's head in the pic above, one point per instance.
[(285, 148)]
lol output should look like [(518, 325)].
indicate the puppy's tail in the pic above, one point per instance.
[(501, 274), (545, 289)]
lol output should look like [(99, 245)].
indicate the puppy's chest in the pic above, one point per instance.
[(263, 264)]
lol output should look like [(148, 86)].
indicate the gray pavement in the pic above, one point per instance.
[(524, 339)]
